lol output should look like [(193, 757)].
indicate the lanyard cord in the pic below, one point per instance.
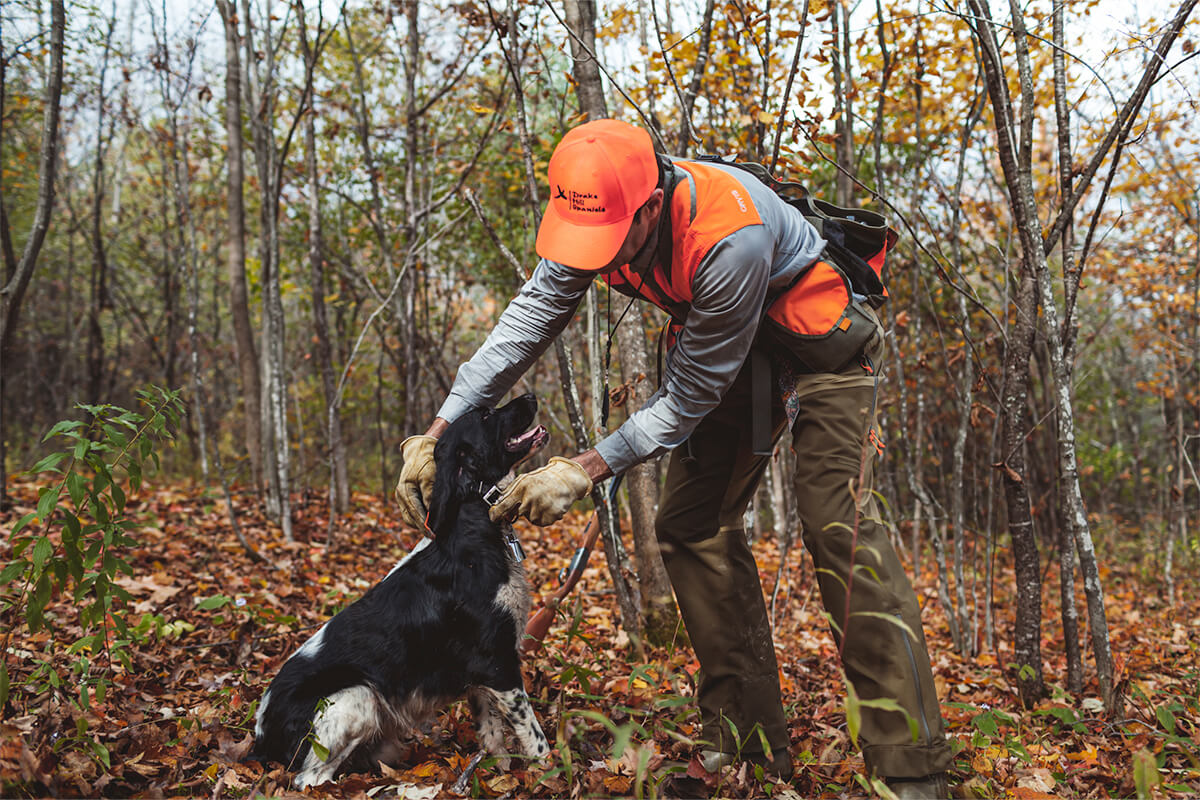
[(649, 266), (611, 330)]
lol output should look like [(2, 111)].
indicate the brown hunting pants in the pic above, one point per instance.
[(710, 481)]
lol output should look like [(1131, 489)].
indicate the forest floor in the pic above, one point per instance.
[(219, 625)]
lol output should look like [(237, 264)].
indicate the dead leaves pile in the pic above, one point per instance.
[(180, 723)]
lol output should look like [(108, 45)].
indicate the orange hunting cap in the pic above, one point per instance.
[(600, 174)]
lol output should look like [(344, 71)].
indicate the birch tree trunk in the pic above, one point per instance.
[(262, 94), (613, 549), (239, 305), (1027, 636), (912, 428), (339, 481), (406, 299), (965, 383), (659, 615), (1066, 549)]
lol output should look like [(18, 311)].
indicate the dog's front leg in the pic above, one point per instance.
[(489, 727), (515, 708)]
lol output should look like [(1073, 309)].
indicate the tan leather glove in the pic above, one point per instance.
[(544, 495), (416, 479)]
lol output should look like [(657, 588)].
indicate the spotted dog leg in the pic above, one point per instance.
[(515, 708), (489, 725)]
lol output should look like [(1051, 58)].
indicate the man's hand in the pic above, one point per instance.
[(416, 479), (544, 495)]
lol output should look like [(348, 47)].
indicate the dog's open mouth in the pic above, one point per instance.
[(529, 442)]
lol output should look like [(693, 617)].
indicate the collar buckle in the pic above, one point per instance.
[(491, 496)]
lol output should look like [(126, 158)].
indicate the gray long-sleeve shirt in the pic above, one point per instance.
[(729, 291)]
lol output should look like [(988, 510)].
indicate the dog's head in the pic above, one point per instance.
[(477, 451)]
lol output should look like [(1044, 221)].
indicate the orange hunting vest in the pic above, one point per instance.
[(722, 207), (816, 318)]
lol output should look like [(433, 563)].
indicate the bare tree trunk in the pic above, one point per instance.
[(175, 158), (339, 482), (659, 616), (787, 517), (262, 92), (843, 111), (1066, 551), (996, 444), (1179, 490), (613, 549), (1014, 394), (169, 278), (913, 427), (1028, 633), (885, 73), (938, 539), (589, 88), (406, 299), (239, 305), (1074, 510), (1188, 458), (18, 272), (966, 387)]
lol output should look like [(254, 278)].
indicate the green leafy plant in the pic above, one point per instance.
[(1145, 774), (74, 546)]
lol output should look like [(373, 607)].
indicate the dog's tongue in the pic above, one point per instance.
[(535, 438)]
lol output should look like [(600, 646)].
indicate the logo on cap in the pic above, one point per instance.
[(579, 201)]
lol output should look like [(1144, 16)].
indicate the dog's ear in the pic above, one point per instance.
[(442, 502), (456, 466)]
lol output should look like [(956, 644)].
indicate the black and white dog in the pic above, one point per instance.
[(447, 620)]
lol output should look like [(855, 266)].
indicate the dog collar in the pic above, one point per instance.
[(490, 494), (514, 546)]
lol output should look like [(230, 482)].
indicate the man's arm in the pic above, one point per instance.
[(437, 428), (597, 468), (539, 312)]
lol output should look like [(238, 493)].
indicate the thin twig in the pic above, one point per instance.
[(941, 270), (519, 268), (462, 786)]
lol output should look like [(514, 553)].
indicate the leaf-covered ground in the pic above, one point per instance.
[(180, 721)]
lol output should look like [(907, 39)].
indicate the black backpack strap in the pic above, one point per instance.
[(665, 245), (761, 441)]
